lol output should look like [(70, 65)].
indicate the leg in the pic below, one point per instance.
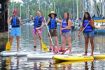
[(69, 42), (50, 37), (56, 38), (63, 42), (86, 44), (18, 42), (18, 34), (11, 39), (34, 36), (51, 45), (56, 48), (91, 35), (92, 45), (39, 33), (56, 41)]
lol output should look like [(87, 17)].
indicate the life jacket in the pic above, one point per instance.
[(89, 28), (15, 22), (52, 24), (38, 21), (64, 25)]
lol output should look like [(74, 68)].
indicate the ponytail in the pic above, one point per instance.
[(67, 18)]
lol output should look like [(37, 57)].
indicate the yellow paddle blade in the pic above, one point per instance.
[(44, 47), (8, 46)]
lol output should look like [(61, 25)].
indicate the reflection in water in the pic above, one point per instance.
[(63, 66), (67, 67), (17, 66), (43, 65), (73, 66), (92, 66), (18, 63), (87, 66), (35, 66), (5, 63)]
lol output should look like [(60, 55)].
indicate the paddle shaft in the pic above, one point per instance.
[(85, 27), (49, 34)]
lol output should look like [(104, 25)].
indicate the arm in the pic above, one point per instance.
[(20, 21), (81, 29), (43, 23), (69, 25), (9, 20), (48, 21), (59, 21), (92, 23)]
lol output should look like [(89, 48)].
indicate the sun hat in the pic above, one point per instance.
[(52, 12)]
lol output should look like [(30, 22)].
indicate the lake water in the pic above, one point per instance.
[(21, 63)]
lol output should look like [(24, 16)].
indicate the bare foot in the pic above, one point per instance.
[(17, 49), (63, 51), (34, 48), (51, 48), (91, 54), (85, 54)]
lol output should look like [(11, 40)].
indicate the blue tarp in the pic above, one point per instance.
[(97, 18), (100, 31)]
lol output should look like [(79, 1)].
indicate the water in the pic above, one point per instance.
[(22, 63)]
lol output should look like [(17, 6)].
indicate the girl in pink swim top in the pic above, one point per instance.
[(38, 24)]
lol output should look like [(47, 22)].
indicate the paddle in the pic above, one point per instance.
[(49, 35), (88, 24), (8, 45), (44, 46), (84, 28)]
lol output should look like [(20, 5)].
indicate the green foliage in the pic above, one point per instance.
[(46, 6)]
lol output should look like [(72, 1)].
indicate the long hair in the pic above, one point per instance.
[(89, 17), (67, 17)]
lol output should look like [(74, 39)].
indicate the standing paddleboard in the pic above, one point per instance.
[(72, 58), (13, 53), (99, 57), (78, 58), (40, 56)]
